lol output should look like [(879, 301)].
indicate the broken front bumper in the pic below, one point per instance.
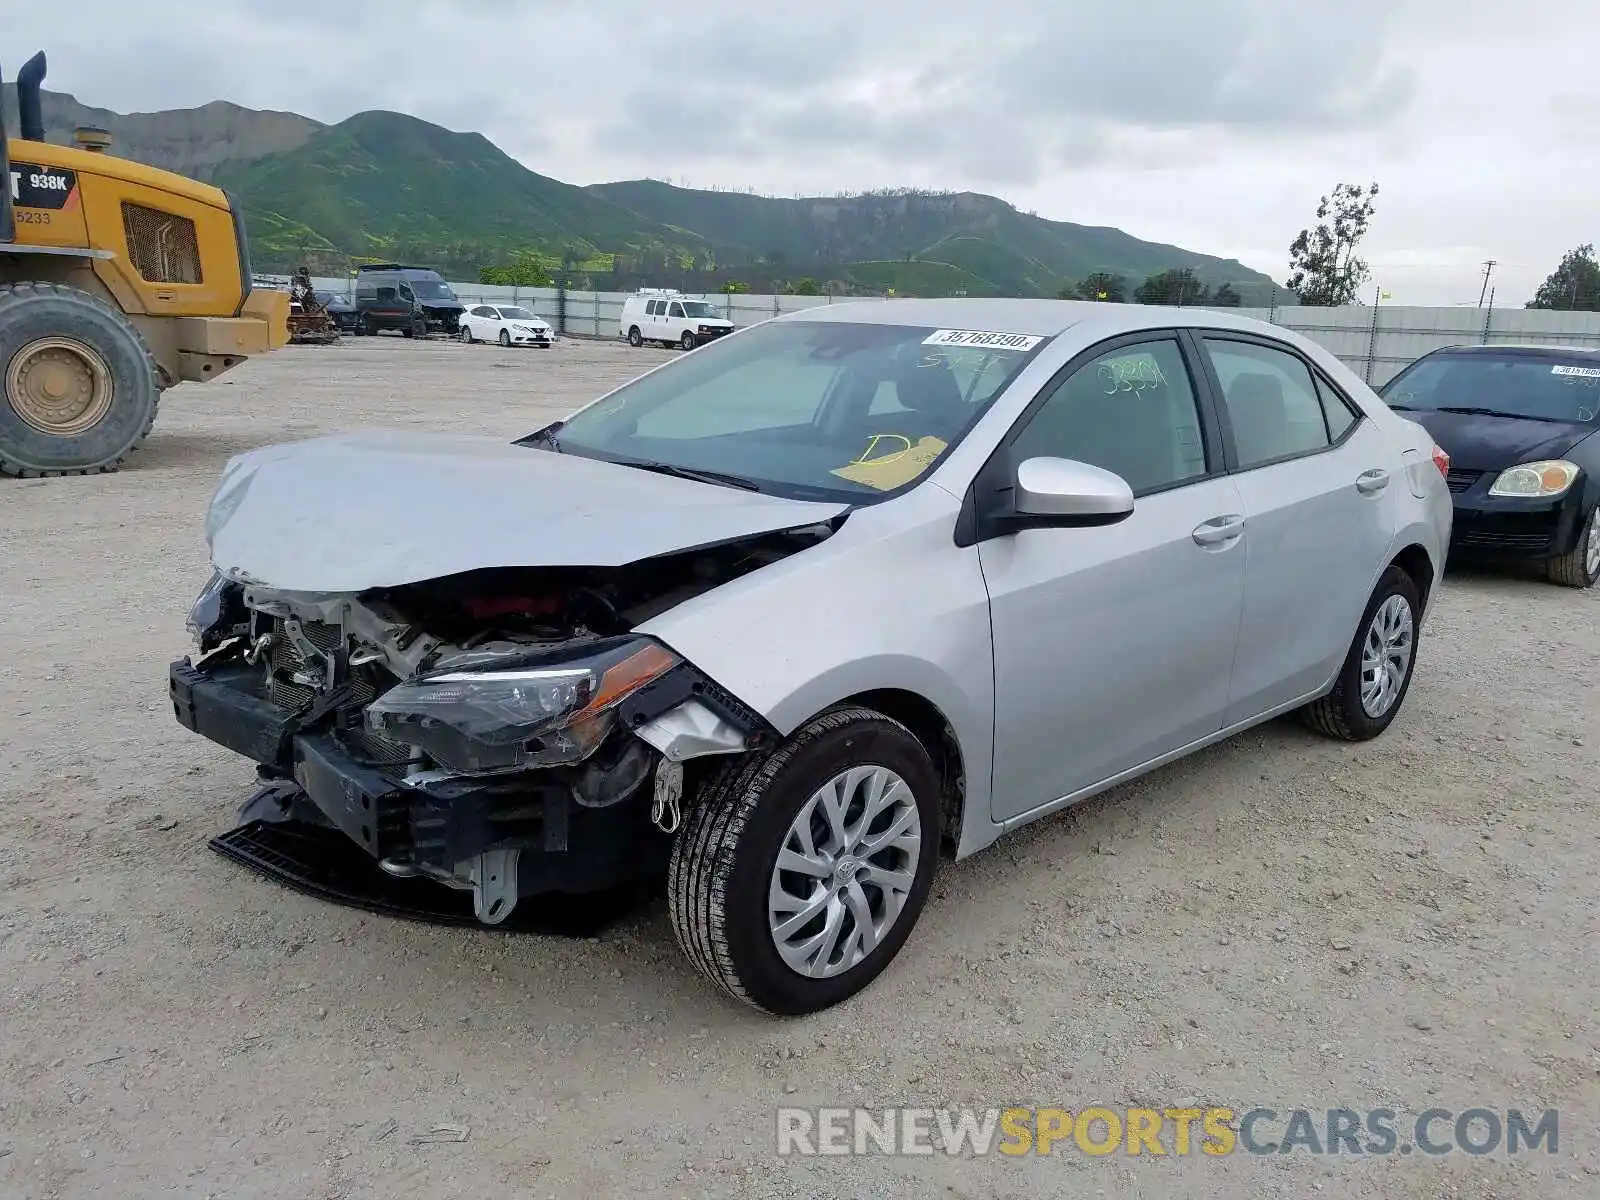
[(502, 837)]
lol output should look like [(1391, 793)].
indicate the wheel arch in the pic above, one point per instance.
[(1416, 562), (933, 729)]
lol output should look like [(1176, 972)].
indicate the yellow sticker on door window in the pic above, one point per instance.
[(892, 460)]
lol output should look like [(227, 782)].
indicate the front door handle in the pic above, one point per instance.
[(1218, 530), (1370, 483)]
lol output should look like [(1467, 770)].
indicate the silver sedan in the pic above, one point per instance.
[(793, 617)]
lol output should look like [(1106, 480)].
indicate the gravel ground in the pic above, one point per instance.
[(1279, 921)]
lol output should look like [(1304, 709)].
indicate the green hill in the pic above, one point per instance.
[(382, 184), (386, 185), (1016, 253)]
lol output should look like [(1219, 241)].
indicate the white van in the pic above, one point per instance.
[(671, 318)]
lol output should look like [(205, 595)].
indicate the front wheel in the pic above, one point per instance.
[(505, 338), (1580, 566), (1377, 672), (635, 338), (688, 341), (800, 871)]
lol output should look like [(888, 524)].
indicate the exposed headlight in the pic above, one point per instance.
[(209, 612), (1548, 477), (478, 713)]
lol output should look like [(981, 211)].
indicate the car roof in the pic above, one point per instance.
[(1519, 348), (1044, 318)]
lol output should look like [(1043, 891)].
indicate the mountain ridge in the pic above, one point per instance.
[(387, 184)]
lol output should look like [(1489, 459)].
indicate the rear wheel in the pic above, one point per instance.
[(1580, 566), (635, 338), (80, 385), (1377, 671), (801, 871), (466, 334)]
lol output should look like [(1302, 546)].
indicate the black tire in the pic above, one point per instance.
[(1340, 714), (30, 312), (505, 339), (1572, 568), (466, 334), (635, 338), (369, 327), (688, 341), (723, 858)]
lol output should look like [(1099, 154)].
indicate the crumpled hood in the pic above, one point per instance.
[(347, 513)]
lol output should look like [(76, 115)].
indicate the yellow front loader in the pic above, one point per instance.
[(117, 281)]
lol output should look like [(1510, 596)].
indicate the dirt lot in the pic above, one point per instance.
[(1280, 921)]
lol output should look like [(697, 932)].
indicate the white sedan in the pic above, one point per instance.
[(506, 324)]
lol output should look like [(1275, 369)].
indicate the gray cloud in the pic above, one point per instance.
[(1212, 123)]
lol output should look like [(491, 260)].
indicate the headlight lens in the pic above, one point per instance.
[(479, 713), (209, 611), (1548, 477)]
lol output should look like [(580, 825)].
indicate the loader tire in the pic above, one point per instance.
[(79, 383)]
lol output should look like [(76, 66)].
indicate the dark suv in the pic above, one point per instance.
[(413, 300), (1519, 425)]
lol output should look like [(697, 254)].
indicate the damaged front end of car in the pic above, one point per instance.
[(503, 731)]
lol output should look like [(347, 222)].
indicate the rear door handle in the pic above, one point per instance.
[(1370, 483), (1218, 530)]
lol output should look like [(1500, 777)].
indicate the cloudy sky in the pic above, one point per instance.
[(1213, 124)]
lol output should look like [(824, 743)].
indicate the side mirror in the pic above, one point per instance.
[(1062, 491)]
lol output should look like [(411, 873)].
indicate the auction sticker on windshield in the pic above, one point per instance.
[(1581, 372), (979, 338)]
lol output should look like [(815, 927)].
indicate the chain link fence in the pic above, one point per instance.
[(1375, 342)]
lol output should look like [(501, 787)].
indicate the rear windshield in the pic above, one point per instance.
[(1543, 387)]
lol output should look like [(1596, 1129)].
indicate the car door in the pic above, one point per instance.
[(1113, 645), (1320, 511), (677, 322)]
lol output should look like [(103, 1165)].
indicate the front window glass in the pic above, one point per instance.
[(1543, 387), (432, 289), (1131, 410), (809, 409), (699, 308)]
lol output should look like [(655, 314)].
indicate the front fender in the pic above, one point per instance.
[(888, 603)]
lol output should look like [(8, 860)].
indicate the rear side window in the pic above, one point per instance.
[(653, 308), (1271, 399), (1336, 410), (386, 295), (1131, 410)]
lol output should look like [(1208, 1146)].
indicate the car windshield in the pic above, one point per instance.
[(699, 308), (432, 289), (1545, 387), (827, 410), (517, 314)]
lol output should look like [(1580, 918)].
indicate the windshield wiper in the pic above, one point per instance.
[(1495, 412), (544, 437), (694, 473)]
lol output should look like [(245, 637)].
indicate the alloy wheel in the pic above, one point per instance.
[(844, 870), (1386, 655)]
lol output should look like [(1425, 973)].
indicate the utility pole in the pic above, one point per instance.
[(1488, 270)]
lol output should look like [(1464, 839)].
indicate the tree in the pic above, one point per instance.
[(524, 270), (805, 287), (1574, 286), (1225, 297), (735, 287), (1178, 286), (1102, 286), (1324, 269)]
